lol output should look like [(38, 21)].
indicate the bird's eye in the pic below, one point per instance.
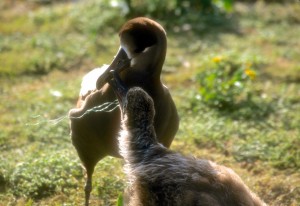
[(139, 50)]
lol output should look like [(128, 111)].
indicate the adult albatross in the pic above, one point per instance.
[(139, 61)]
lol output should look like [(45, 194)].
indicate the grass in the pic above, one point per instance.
[(45, 51)]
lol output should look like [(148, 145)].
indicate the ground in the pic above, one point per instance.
[(45, 51)]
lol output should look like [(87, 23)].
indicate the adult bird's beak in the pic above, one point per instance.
[(120, 62)]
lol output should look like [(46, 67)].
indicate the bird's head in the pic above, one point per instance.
[(142, 51)]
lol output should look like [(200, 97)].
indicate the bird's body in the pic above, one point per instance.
[(159, 176), (139, 62), (168, 178)]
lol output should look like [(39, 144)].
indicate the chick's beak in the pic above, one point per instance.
[(120, 62), (119, 88)]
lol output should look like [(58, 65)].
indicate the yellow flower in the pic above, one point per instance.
[(250, 73), (217, 59)]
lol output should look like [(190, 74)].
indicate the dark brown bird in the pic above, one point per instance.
[(159, 176), (139, 62)]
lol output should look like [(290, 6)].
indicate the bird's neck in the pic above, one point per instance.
[(135, 142), (140, 77), (151, 84)]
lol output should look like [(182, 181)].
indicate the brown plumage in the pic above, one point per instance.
[(159, 176), (139, 62)]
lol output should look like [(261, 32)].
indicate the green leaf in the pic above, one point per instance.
[(120, 201), (228, 5)]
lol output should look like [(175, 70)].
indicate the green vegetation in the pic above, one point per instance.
[(40, 176), (222, 85), (233, 72)]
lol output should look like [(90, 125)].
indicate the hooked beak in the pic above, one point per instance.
[(120, 62), (119, 88)]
